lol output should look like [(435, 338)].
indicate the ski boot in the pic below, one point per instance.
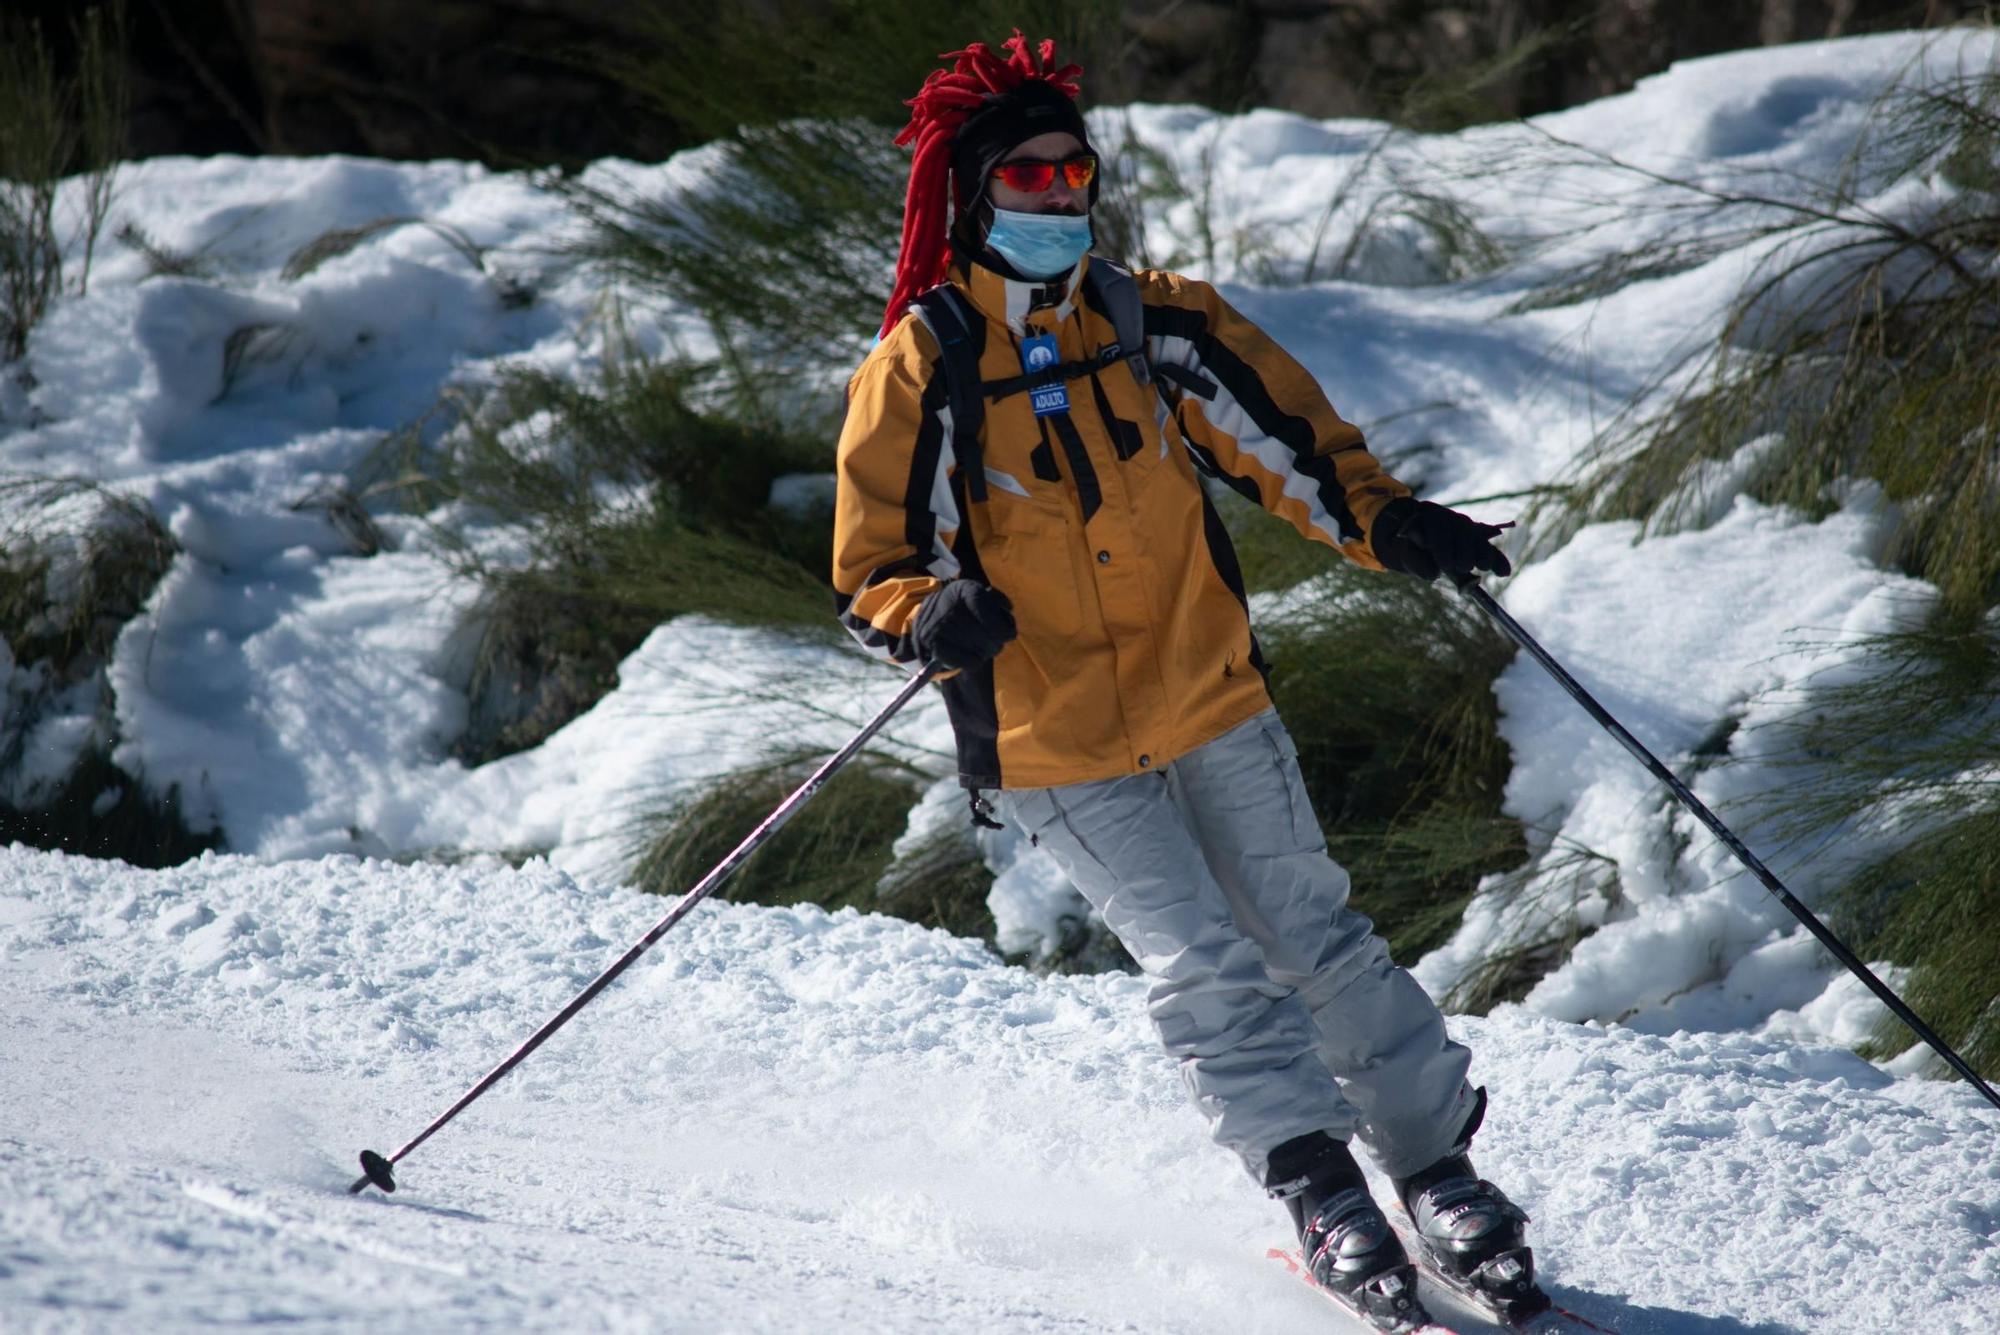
[(1350, 1250), (1470, 1235)]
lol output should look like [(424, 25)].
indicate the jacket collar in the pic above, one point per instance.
[(1010, 301)]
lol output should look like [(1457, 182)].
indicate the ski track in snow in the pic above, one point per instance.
[(784, 1120)]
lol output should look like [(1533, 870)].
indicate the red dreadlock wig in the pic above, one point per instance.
[(941, 107)]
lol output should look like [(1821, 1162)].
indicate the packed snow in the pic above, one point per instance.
[(784, 1120), (781, 1120)]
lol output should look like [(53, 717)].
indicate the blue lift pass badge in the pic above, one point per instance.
[(1038, 354)]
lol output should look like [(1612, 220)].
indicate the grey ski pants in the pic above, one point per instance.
[(1280, 1003)]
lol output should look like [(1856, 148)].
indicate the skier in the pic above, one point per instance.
[(1019, 501)]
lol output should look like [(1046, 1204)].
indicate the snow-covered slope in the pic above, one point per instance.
[(785, 1121)]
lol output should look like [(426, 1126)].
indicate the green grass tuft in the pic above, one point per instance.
[(1542, 925), (1865, 346), (51, 127), (942, 882), (1914, 735), (832, 853), (1932, 906), (77, 561), (338, 241), (1911, 744), (1384, 192), (787, 249)]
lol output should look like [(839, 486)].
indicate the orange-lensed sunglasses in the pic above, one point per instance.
[(1031, 176)]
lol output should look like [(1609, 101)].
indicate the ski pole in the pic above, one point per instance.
[(376, 1169), (1469, 586)]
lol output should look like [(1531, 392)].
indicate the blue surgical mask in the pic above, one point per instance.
[(1039, 245)]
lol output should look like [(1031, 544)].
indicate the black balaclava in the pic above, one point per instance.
[(990, 134)]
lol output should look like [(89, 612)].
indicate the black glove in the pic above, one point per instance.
[(963, 624), (1424, 539)]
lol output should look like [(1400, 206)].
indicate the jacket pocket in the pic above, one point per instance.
[(1026, 555)]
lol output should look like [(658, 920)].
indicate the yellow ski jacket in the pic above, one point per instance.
[(1135, 643)]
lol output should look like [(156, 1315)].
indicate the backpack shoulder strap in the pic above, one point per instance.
[(1120, 294), (943, 312)]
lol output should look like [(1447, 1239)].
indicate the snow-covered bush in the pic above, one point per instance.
[(77, 562), (588, 513), (1858, 363), (1864, 341), (1173, 198), (1893, 767)]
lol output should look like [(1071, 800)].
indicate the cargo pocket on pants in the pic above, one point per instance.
[(1300, 825), (1030, 810)]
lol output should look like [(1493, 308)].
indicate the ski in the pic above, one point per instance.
[(1557, 1319), (1421, 1323), (1537, 1315), (1534, 1313)]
